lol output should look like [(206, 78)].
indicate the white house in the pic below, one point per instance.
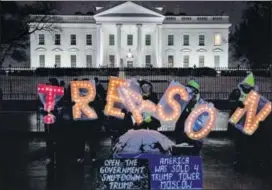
[(130, 35)]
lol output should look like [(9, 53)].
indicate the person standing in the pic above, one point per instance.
[(181, 136), (241, 141)]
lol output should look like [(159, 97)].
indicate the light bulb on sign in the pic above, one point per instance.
[(113, 97), (176, 108), (252, 118), (194, 116), (81, 102), (49, 102), (131, 99)]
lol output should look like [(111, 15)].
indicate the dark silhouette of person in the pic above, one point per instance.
[(148, 94), (241, 141), (180, 134), (51, 130)]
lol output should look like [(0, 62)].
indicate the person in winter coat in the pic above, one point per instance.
[(147, 93), (242, 141), (181, 136), (51, 130)]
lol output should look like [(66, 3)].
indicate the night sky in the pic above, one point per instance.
[(231, 8)]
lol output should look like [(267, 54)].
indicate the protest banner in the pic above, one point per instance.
[(123, 174), (171, 172)]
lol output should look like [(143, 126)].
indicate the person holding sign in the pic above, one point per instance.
[(181, 136), (242, 141), (148, 94)]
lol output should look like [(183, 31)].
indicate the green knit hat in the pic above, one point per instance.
[(193, 84), (249, 80)]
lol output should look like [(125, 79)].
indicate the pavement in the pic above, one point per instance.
[(22, 167)]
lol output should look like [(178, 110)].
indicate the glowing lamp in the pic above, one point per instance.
[(113, 97), (169, 109), (196, 117), (49, 96), (81, 101), (253, 102)]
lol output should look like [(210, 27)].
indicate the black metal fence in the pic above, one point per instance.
[(216, 84)]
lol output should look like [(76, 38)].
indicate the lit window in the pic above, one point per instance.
[(217, 40), (41, 39)]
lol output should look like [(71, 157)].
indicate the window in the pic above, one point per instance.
[(216, 60), (148, 40), (170, 40), (89, 60), (148, 60), (42, 60), (201, 40), (217, 40), (73, 39), (112, 60), (57, 39), (129, 39), (201, 61), (73, 60), (170, 60), (88, 39), (57, 60), (186, 61), (41, 39), (186, 40), (111, 39)]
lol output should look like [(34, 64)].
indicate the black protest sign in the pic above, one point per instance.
[(123, 174)]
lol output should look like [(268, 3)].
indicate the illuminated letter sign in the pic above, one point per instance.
[(200, 122), (173, 102), (82, 99), (253, 103), (135, 103), (48, 95), (113, 97)]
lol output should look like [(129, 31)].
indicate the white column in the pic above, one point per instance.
[(118, 39), (99, 46), (139, 46), (159, 45)]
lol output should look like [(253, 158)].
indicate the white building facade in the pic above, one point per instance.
[(129, 35)]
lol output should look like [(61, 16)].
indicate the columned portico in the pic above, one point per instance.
[(139, 46), (118, 55)]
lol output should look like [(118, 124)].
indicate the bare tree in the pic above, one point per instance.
[(18, 26)]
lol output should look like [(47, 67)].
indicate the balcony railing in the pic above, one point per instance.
[(197, 19)]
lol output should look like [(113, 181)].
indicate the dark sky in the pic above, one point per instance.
[(231, 8)]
